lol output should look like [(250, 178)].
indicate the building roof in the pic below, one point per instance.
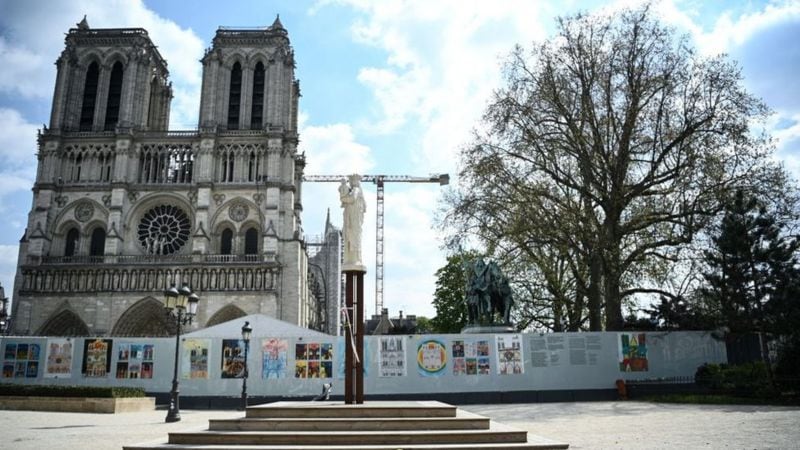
[(263, 326)]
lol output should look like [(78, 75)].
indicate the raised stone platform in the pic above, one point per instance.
[(78, 404), (371, 426)]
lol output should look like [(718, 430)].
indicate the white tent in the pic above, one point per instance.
[(263, 326)]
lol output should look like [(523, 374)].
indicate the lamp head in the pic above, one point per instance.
[(246, 332)]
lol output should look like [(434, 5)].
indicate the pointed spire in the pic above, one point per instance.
[(277, 25), (83, 24)]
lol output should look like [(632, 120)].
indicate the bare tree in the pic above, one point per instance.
[(610, 148)]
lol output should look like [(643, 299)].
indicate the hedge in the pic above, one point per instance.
[(29, 390)]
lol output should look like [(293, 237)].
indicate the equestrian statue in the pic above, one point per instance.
[(488, 294)]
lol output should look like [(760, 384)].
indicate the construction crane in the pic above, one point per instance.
[(379, 180)]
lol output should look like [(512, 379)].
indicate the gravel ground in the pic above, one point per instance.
[(643, 425), (593, 425)]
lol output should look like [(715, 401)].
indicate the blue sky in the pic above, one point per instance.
[(389, 87)]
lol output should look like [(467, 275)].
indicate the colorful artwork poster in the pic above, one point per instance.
[(392, 357), (96, 358), (340, 347), (509, 355), (470, 357), (194, 359), (232, 358), (275, 353), (313, 360), (21, 360), (134, 361), (632, 352), (59, 359), (431, 358)]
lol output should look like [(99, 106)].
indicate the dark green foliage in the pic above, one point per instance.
[(18, 390), (449, 297), (752, 276), (746, 380), (675, 313)]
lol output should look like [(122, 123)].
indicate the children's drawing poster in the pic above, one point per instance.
[(275, 353), (509, 354), (633, 352), (431, 358), (59, 358), (392, 357), (135, 360), (233, 358), (194, 359), (21, 360), (470, 357), (313, 360), (96, 358)]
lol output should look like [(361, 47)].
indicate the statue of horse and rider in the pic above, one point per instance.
[(488, 294)]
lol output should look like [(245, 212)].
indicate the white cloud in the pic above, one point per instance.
[(8, 267), (332, 149), (17, 154)]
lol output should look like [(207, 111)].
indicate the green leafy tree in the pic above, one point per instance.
[(608, 148), (752, 276), (449, 297)]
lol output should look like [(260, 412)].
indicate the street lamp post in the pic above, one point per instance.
[(246, 331), (181, 306)]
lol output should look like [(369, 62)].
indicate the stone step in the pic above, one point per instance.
[(496, 433), (463, 421), (339, 410), (530, 445)]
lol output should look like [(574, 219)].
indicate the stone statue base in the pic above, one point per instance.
[(354, 268), (488, 329)]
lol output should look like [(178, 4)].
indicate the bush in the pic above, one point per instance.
[(19, 390), (749, 380)]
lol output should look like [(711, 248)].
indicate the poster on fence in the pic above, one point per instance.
[(509, 354), (431, 358), (274, 353), (134, 361), (632, 352), (59, 358), (470, 357), (21, 360), (313, 360), (392, 357), (194, 360), (232, 358), (96, 358)]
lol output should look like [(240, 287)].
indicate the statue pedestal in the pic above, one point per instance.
[(354, 335), (488, 329)]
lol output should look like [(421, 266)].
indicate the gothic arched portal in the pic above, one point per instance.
[(64, 323), (225, 314), (145, 318)]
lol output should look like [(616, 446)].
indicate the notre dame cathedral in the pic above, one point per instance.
[(123, 207)]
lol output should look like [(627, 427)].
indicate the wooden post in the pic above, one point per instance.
[(354, 333)]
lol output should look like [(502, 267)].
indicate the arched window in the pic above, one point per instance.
[(71, 245), (76, 169), (89, 97), (226, 242), (251, 241), (252, 167), (114, 95), (257, 113), (235, 97), (98, 244)]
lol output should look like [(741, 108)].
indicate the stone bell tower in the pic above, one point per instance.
[(124, 207)]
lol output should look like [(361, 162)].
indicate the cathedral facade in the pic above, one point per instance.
[(123, 207)]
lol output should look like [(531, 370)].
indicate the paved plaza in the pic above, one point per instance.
[(590, 425)]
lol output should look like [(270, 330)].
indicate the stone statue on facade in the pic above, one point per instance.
[(352, 198), (488, 294)]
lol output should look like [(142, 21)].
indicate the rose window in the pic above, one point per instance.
[(163, 230)]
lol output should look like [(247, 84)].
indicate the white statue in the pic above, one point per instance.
[(352, 199)]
